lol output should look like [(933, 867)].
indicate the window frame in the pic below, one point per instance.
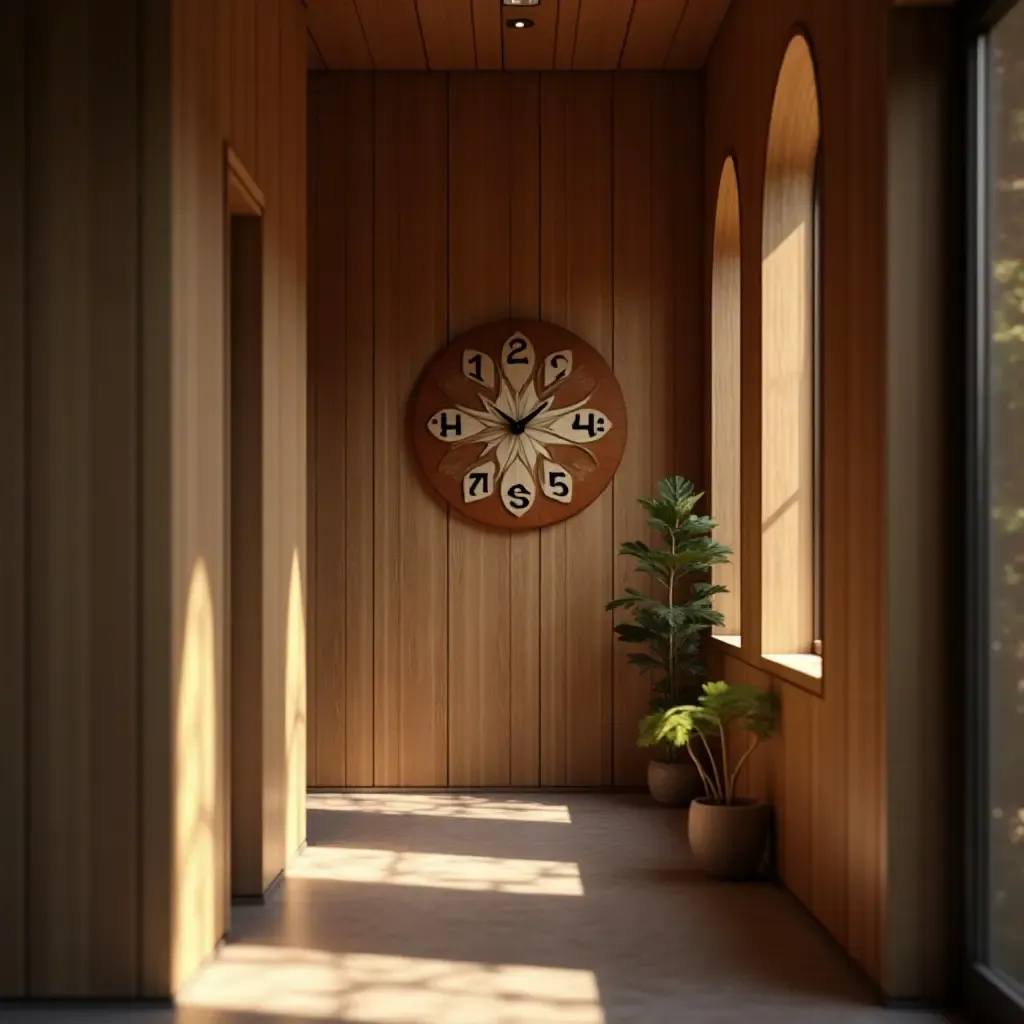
[(817, 406), (985, 993)]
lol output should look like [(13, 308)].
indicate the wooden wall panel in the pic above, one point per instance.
[(238, 77), (292, 487), (922, 420), (503, 637), (832, 777), (341, 140), (14, 358), (411, 536), (83, 230), (479, 561), (577, 555), (647, 120), (522, 102)]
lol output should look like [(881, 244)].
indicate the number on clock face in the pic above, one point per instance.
[(557, 367), (517, 359), (478, 367), (556, 482), (453, 425), (518, 489), (478, 483), (581, 426)]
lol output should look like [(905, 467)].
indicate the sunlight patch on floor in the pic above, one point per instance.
[(438, 870), (442, 805), (372, 989)]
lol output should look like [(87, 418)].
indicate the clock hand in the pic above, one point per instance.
[(508, 419), (536, 412)]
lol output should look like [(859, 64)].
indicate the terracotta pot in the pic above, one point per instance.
[(729, 841), (674, 784)]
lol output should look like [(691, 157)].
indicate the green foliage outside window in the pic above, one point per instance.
[(1004, 744)]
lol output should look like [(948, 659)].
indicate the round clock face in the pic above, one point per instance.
[(518, 424)]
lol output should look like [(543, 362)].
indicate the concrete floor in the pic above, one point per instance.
[(513, 909)]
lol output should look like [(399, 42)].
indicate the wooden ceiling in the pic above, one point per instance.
[(456, 35)]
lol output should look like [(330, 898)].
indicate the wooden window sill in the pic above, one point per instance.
[(803, 670), (805, 664), (731, 640)]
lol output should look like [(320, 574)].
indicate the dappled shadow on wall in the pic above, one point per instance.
[(195, 780), (295, 708)]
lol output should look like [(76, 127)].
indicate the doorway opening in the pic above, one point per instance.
[(244, 510)]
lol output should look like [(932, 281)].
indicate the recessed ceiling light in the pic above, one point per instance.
[(520, 3), (519, 23)]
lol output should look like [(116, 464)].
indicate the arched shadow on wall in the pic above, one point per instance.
[(197, 724)]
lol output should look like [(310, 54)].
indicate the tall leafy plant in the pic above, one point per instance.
[(670, 620)]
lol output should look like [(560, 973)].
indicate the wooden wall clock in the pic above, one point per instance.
[(518, 424)]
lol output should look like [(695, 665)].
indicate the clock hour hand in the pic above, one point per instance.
[(514, 424)]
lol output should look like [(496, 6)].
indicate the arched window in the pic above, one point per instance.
[(725, 393), (790, 367)]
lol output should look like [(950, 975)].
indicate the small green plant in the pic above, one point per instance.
[(670, 620), (719, 708)]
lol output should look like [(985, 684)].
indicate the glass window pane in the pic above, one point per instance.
[(1004, 745)]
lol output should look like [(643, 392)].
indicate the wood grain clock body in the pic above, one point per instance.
[(518, 424)]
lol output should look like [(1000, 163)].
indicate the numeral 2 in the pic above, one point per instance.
[(515, 349)]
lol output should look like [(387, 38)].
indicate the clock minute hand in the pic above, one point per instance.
[(536, 412)]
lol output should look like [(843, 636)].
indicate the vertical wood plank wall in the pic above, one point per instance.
[(828, 773), (823, 773), (444, 654), (69, 302), (13, 497), (238, 78), (113, 807)]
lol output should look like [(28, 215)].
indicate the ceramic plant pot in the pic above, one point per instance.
[(674, 784), (729, 841)]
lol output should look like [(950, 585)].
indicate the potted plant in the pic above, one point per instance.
[(671, 620), (727, 833)]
